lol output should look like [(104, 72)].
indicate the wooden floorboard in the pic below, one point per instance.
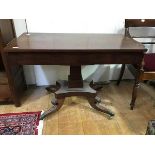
[(76, 117)]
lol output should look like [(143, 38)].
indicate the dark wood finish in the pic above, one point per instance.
[(57, 104), (63, 90), (1, 46), (66, 91), (7, 33), (4, 87), (136, 85), (139, 23), (59, 42), (121, 74), (75, 77), (73, 50), (95, 104), (138, 69)]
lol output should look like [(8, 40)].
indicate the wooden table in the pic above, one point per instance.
[(73, 50)]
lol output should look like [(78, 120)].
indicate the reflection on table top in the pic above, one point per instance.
[(69, 41)]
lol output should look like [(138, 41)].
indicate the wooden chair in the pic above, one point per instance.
[(147, 72)]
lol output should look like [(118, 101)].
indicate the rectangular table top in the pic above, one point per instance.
[(62, 42)]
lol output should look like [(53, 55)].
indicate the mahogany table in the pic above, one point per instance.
[(73, 50)]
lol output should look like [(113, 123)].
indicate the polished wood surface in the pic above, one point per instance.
[(73, 49), (78, 118), (82, 42), (70, 49)]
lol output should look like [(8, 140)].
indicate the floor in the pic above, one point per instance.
[(76, 117)]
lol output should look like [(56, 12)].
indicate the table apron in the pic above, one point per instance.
[(44, 58)]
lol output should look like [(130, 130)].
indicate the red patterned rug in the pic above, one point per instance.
[(25, 123)]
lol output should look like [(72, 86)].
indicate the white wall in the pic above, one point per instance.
[(20, 27)]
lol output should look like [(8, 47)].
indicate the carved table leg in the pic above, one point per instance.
[(94, 102), (136, 86), (134, 94), (57, 104)]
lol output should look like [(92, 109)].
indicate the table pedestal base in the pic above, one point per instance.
[(61, 90)]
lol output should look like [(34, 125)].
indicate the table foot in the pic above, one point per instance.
[(61, 90), (57, 104), (97, 85), (54, 101), (53, 88), (94, 103)]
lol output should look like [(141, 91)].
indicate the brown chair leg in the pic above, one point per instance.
[(121, 74)]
